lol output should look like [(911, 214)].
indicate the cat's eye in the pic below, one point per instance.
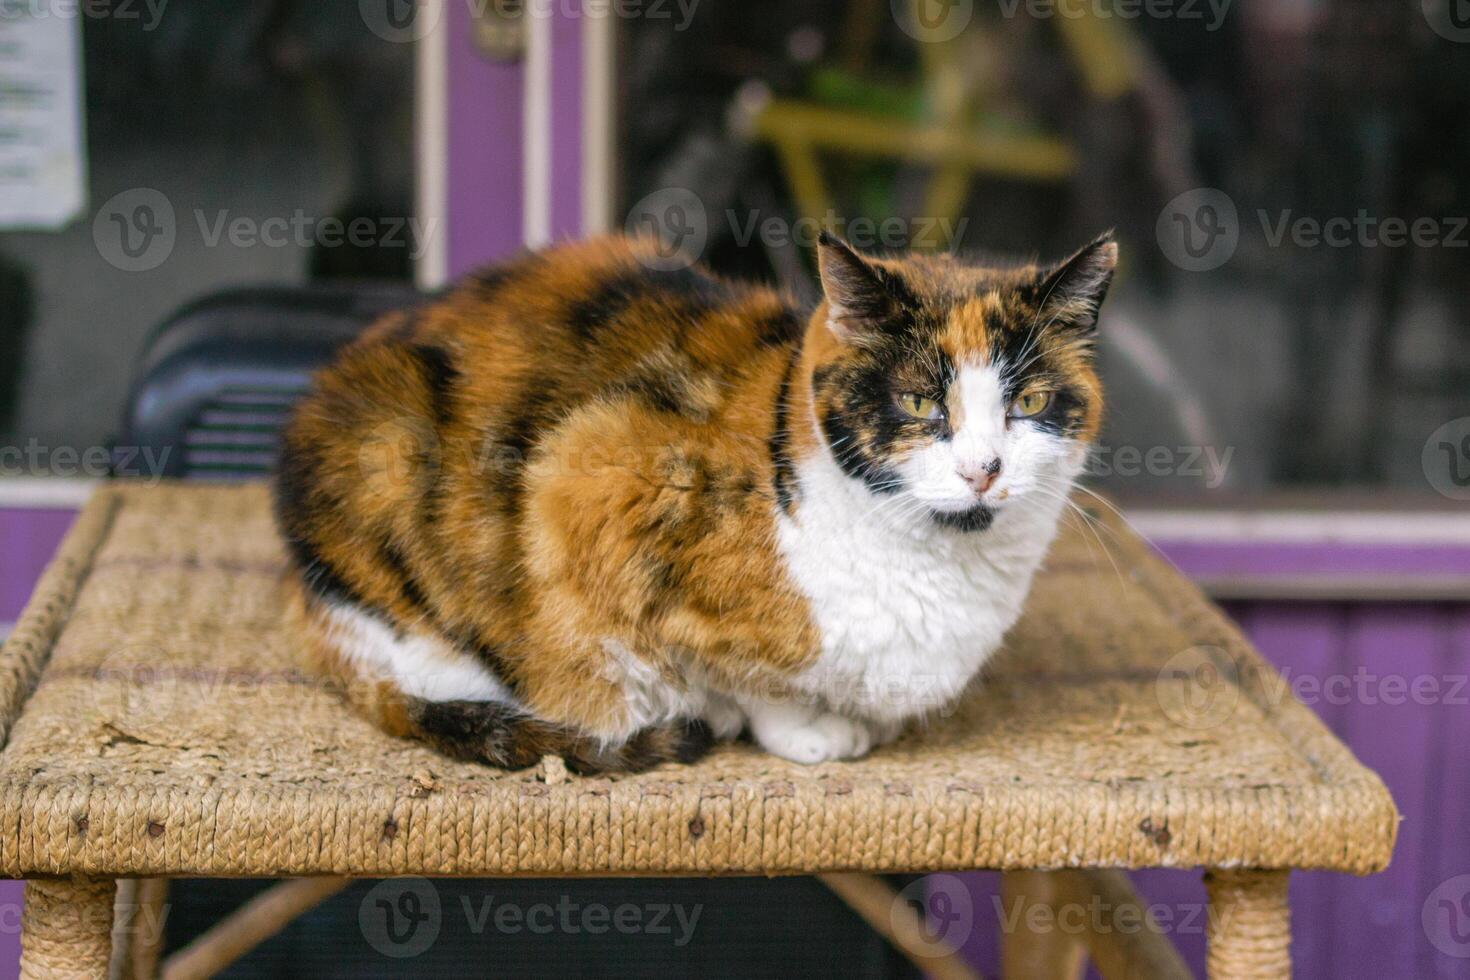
[(920, 407), (1030, 404)]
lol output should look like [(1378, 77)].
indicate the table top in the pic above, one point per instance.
[(155, 721)]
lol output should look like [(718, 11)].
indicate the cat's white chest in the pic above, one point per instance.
[(906, 619)]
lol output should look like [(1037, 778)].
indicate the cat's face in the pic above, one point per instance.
[(960, 391)]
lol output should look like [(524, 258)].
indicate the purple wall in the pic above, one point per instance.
[(484, 148), (28, 538), (1369, 659), (1346, 660)]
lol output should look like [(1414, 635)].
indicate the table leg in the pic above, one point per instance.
[(1032, 949), (1249, 925), (66, 928)]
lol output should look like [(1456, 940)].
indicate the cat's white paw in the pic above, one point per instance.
[(885, 731), (825, 738), (723, 716)]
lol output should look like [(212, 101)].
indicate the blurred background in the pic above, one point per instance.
[(1313, 359), (199, 199)]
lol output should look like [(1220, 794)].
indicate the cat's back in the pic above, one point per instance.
[(609, 316), (413, 456), (548, 331)]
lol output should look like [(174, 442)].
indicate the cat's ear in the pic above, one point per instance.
[(1071, 293), (857, 300)]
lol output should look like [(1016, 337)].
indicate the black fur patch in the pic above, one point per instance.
[(440, 376), (783, 476), (478, 731), (690, 291), (977, 519)]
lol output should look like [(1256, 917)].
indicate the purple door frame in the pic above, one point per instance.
[(514, 154)]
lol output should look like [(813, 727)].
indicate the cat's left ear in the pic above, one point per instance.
[(858, 301), (1072, 292)]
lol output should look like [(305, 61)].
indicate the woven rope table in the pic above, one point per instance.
[(155, 724)]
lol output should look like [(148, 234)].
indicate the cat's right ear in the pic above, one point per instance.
[(857, 300)]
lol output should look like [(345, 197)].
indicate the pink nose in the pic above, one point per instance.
[(981, 478)]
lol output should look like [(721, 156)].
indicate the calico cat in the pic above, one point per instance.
[(588, 507)]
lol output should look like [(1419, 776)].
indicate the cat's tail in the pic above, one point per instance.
[(494, 732), (505, 736), (508, 737)]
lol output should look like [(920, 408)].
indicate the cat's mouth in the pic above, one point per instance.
[(977, 518)]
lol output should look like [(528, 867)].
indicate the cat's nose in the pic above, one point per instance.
[(981, 477)]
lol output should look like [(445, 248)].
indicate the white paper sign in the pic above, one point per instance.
[(41, 153)]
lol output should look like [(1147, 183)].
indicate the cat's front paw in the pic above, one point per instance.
[(822, 739), (724, 717)]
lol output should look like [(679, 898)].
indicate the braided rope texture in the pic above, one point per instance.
[(157, 723), (66, 928), (1250, 925)]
